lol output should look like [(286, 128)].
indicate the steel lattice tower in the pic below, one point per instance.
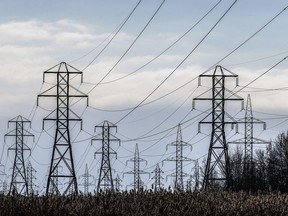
[(31, 178), (249, 141), (157, 178), (189, 183), (105, 181), (2, 179), (136, 172), (62, 115), (217, 170), (86, 180), (19, 184), (196, 176), (4, 187), (179, 159), (54, 188), (118, 183)]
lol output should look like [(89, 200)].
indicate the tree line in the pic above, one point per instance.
[(266, 171)]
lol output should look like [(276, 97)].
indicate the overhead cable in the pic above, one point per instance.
[(200, 42)]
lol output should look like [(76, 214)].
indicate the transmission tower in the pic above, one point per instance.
[(157, 178), (118, 183), (136, 172), (86, 180), (31, 178), (55, 184), (179, 144), (196, 175), (189, 183), (62, 149), (217, 170), (19, 184), (4, 187), (249, 141), (105, 181), (2, 180)]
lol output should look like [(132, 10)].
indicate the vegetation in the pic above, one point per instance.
[(267, 172), (259, 188), (148, 203)]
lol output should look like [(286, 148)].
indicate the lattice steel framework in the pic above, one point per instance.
[(105, 181), (5, 187), (118, 184), (178, 175), (137, 172), (31, 178), (86, 180), (217, 170), (189, 183), (196, 175), (157, 178), (3, 182), (249, 141), (62, 115), (19, 184), (54, 188)]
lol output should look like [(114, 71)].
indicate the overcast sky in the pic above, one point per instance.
[(36, 35)]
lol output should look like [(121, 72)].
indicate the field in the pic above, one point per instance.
[(148, 203)]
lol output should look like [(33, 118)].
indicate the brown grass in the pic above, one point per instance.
[(147, 203)]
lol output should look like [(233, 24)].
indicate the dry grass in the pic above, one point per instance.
[(147, 203)]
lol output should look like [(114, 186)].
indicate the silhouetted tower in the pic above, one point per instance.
[(189, 183), (118, 184), (196, 175), (179, 159), (105, 181), (136, 172), (86, 180), (19, 184), (217, 170), (5, 187), (249, 141), (31, 178), (157, 177), (54, 187), (2, 180), (62, 149)]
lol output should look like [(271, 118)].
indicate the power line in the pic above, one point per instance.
[(266, 89), (149, 102), (256, 60), (226, 56), (178, 64), (127, 50), (258, 77), (168, 48), (121, 26), (252, 36)]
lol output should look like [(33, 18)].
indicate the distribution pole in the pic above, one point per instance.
[(86, 180), (31, 178), (179, 144), (249, 141), (105, 181), (217, 170), (157, 178), (19, 184), (136, 172), (62, 149)]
